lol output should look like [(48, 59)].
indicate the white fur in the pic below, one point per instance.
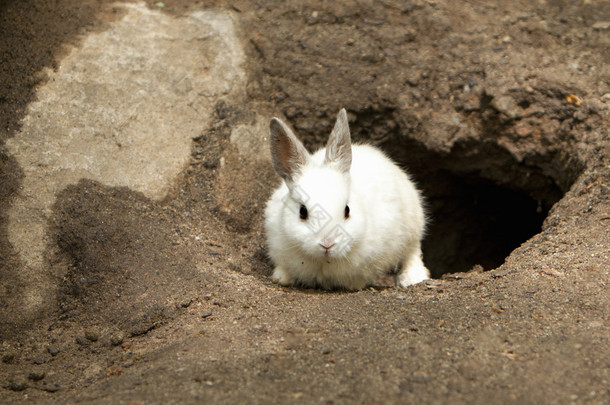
[(383, 230)]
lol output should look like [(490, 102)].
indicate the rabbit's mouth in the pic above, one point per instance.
[(330, 255), (327, 245), (326, 254)]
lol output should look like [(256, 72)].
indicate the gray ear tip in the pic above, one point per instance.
[(276, 126), (342, 117)]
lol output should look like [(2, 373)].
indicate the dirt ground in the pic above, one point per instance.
[(500, 111)]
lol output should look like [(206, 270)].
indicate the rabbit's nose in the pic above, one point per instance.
[(327, 244)]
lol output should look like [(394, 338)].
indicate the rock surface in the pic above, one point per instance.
[(122, 117)]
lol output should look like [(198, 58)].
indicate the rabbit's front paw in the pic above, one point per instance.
[(279, 276), (415, 272)]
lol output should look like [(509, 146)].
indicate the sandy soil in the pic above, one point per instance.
[(499, 110)]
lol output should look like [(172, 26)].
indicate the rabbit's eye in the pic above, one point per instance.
[(346, 211), (303, 212)]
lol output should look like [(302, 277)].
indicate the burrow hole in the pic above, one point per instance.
[(474, 221)]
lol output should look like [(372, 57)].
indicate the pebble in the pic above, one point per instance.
[(116, 339), (206, 315), (92, 336), (506, 105), (601, 26), (8, 358), (433, 282), (580, 116), (573, 99), (49, 387), (36, 375), (53, 350), (82, 341), (186, 303), (17, 384)]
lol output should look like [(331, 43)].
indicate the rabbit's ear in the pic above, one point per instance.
[(287, 152), (339, 146)]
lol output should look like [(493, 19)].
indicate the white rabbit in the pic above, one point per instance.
[(342, 216)]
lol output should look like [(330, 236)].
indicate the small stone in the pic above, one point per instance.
[(54, 387), (580, 116), (326, 351), (601, 26), (313, 18), (17, 384), (507, 106), (573, 99), (36, 375), (8, 358), (523, 130), (116, 339), (410, 36), (407, 8), (92, 336), (53, 350), (432, 283), (206, 315), (81, 340), (186, 303)]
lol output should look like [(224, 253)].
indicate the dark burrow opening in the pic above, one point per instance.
[(473, 221)]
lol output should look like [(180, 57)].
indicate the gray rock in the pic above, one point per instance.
[(17, 384), (119, 112), (53, 350)]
